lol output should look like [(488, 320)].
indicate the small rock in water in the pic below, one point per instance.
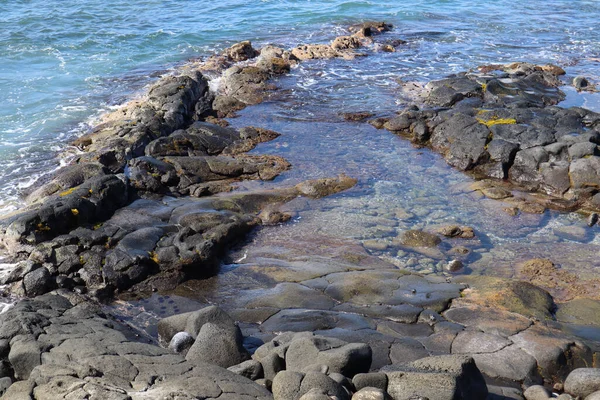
[(450, 230), (416, 238), (454, 266), (357, 116), (580, 82), (512, 211), (274, 217), (460, 250), (496, 193), (378, 123), (454, 231), (592, 219)]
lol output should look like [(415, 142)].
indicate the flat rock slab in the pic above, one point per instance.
[(391, 287), (406, 313), (509, 363), (299, 320), (579, 311), (518, 297), (556, 353), (286, 295), (473, 342), (488, 319)]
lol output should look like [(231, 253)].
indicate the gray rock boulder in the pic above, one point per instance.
[(191, 322), (291, 385), (25, 355), (250, 369), (371, 393), (5, 384), (286, 385), (438, 377), (345, 358), (583, 381), (585, 172), (370, 380), (315, 394), (536, 392), (95, 200), (66, 178), (593, 396), (38, 282), (212, 314), (218, 345)]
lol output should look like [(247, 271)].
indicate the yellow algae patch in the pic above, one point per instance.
[(484, 87), (67, 192), (75, 211), (42, 227), (153, 256), (494, 120)]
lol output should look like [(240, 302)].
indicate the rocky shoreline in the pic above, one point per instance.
[(501, 124), (151, 202)]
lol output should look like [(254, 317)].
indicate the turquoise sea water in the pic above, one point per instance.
[(64, 62)]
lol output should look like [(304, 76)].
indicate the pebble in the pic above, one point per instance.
[(454, 266), (460, 250), (512, 211)]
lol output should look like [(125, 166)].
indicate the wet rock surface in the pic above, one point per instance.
[(502, 122), (152, 244)]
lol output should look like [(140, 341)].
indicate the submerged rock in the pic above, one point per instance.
[(581, 83), (414, 238), (454, 266)]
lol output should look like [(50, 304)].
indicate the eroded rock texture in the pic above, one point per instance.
[(503, 122)]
